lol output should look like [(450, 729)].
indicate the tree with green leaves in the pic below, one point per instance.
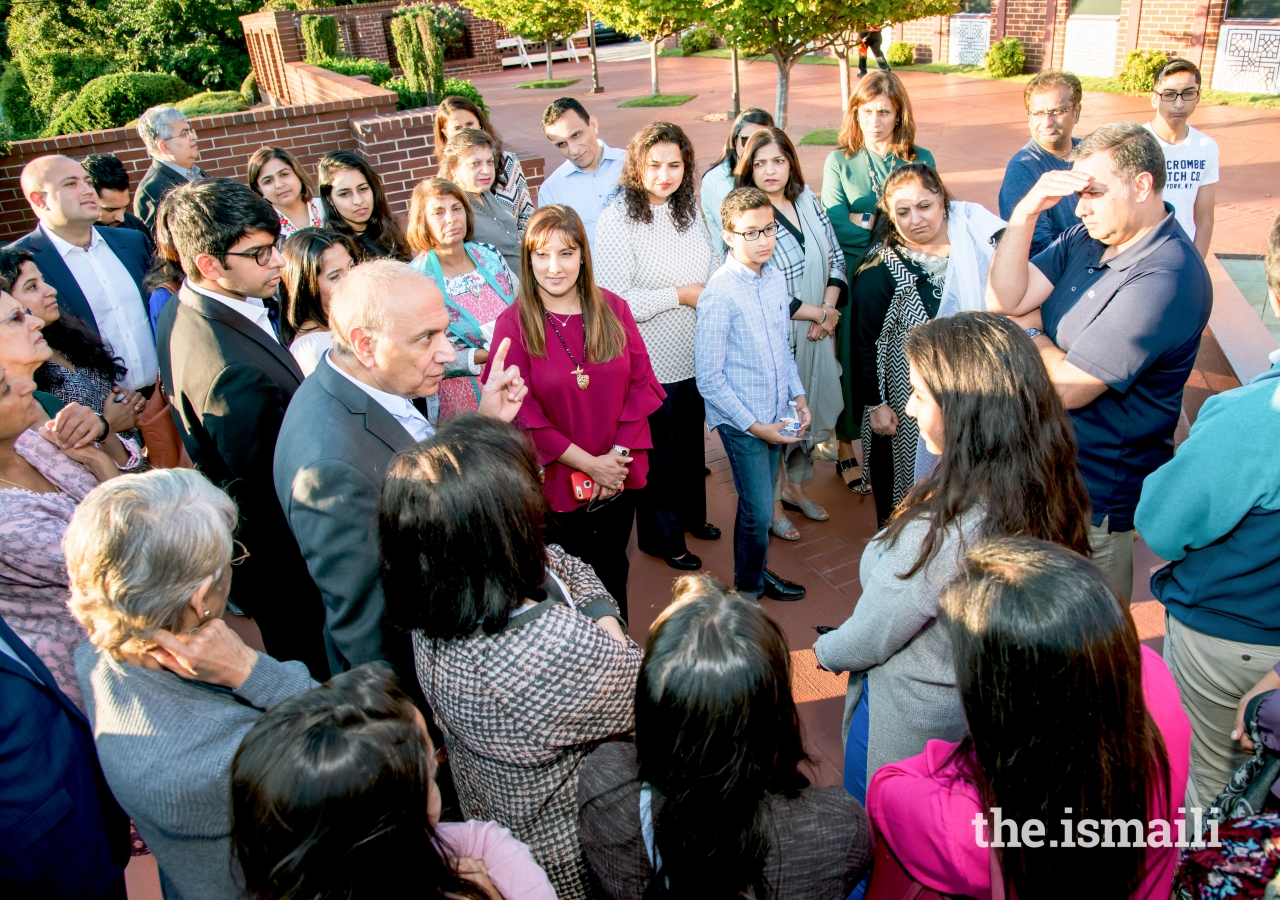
[(538, 21), (653, 20)]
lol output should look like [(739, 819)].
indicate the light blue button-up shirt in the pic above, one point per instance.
[(746, 373), (586, 193)]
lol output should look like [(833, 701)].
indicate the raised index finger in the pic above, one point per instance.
[(498, 359)]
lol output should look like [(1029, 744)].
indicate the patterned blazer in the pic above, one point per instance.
[(521, 710)]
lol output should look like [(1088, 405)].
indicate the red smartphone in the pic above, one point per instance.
[(583, 486)]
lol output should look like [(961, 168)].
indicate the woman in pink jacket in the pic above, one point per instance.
[(1071, 723)]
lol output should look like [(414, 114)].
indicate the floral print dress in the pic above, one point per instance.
[(460, 390)]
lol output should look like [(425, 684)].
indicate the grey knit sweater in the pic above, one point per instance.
[(166, 747)]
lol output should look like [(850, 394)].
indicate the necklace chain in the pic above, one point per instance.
[(22, 487), (583, 379)]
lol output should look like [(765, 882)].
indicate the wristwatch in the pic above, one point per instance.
[(106, 429), (1034, 333)]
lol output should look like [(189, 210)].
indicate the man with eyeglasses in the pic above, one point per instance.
[(171, 141), (230, 380), (1190, 156), (1053, 111)]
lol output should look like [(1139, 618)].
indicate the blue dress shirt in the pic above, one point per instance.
[(586, 193)]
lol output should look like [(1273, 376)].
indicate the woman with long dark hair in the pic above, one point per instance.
[(355, 204), (653, 250), (333, 795), (315, 260), (510, 188), (715, 770), (717, 181), (986, 406), (1069, 718), (279, 179), (591, 392)]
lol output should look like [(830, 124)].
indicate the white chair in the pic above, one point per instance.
[(516, 43)]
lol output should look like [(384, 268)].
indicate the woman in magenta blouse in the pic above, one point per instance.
[(591, 390), (1071, 722)]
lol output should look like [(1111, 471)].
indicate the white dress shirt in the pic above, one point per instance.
[(250, 307), (117, 305), (404, 412)]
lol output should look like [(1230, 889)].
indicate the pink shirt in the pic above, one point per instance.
[(510, 864), (924, 807)]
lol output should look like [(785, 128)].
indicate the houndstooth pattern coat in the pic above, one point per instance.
[(521, 710)]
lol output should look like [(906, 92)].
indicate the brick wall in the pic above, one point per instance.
[(920, 33), (1171, 26)]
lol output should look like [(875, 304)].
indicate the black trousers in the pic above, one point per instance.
[(882, 476), (872, 39), (599, 537), (674, 499)]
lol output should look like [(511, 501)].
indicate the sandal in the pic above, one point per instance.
[(784, 529), (858, 485), (808, 509)]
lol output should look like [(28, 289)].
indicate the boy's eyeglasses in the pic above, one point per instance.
[(753, 234), (1188, 95), (260, 255)]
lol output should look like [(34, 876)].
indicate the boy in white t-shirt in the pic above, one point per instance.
[(1190, 156)]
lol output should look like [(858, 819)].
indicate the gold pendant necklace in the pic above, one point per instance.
[(583, 378)]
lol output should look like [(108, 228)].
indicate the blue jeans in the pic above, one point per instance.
[(755, 464)]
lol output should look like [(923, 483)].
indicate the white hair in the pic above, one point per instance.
[(139, 546), (158, 124), (360, 300)]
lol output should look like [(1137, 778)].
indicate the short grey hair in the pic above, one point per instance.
[(158, 124), (1133, 149), (139, 546), (360, 301)]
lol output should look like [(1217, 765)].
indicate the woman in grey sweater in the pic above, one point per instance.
[(170, 690), (985, 404)]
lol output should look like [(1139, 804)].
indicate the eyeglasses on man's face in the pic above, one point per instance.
[(260, 255), (1191, 93), (753, 234), (242, 553), (1058, 113)]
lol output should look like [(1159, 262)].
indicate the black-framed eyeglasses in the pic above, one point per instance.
[(16, 317), (753, 234), (262, 255), (1192, 93), (242, 553)]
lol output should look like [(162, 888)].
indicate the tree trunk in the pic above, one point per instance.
[(784, 85), (653, 63), (550, 43), (845, 89)]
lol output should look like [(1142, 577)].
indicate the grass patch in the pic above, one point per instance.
[(823, 137), (550, 83), (658, 100)]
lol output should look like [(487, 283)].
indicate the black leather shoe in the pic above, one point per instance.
[(781, 589), (687, 563), (707, 532)]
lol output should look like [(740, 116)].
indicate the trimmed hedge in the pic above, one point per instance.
[(212, 103), (110, 101), (1140, 70), (697, 40), (409, 51), (1005, 58), (19, 112), (378, 71), (249, 89), (458, 87), (320, 34), (407, 98), (448, 22), (901, 53)]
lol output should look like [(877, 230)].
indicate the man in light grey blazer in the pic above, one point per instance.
[(344, 425)]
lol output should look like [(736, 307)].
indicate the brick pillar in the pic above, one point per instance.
[(1050, 32)]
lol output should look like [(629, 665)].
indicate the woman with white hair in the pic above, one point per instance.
[(170, 690)]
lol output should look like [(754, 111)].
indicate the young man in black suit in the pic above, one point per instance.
[(171, 140), (230, 380)]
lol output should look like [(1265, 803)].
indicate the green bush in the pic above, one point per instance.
[(448, 22), (378, 71), (1140, 70), (249, 89), (52, 73), (458, 87), (212, 103), (15, 99), (697, 40), (7, 137), (1005, 58), (110, 101), (406, 96), (435, 58), (320, 34), (901, 53), (410, 53)]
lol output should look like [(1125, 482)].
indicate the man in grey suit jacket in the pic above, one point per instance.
[(344, 425)]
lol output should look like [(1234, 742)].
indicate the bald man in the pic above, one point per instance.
[(346, 422), (97, 272)]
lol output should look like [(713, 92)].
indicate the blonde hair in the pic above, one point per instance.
[(138, 547)]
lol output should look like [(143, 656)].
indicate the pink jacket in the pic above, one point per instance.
[(924, 807), (510, 864)]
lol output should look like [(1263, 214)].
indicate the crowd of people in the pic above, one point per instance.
[(413, 452)]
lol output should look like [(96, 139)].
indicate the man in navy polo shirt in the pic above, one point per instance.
[(1122, 299)]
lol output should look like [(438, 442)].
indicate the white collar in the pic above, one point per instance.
[(63, 246), (253, 303), (393, 403)]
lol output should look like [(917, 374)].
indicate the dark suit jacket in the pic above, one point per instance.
[(159, 180), (62, 835), (133, 223), (229, 383), (334, 448), (129, 246)]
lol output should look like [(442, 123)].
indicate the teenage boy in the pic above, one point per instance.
[(1190, 156), (748, 377)]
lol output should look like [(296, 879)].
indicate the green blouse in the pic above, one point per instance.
[(847, 188)]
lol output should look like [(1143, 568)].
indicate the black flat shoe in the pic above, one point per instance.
[(687, 563), (857, 485), (781, 589), (706, 532)]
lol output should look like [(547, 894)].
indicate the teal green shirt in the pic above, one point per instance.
[(847, 188)]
